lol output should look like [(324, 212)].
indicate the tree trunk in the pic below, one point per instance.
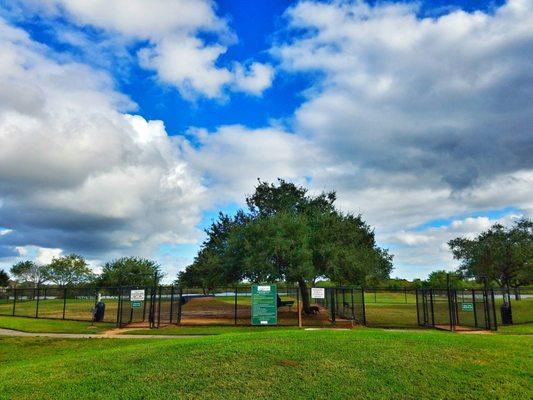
[(305, 296)]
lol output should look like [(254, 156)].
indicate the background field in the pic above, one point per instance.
[(373, 364)]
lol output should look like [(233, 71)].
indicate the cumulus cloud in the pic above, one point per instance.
[(425, 250), (233, 157), (421, 117), (171, 34), (77, 173)]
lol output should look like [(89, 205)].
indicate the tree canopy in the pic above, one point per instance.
[(68, 270), (130, 271), (287, 234), (500, 254), (439, 280), (29, 273)]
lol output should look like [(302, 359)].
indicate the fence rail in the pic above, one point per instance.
[(165, 305)]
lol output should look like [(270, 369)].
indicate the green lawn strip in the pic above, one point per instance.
[(206, 330), (371, 364), (51, 326), (517, 329)]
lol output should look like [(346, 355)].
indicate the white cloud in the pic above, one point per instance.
[(175, 48), (254, 81), (233, 157), (418, 118), (45, 256), (76, 172), (422, 251)]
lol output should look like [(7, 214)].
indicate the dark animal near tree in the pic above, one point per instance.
[(314, 310)]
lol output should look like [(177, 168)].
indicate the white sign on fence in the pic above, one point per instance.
[(318, 293), (137, 295)]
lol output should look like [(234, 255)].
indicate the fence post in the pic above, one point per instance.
[(119, 306), (171, 303), (417, 311), (364, 307), (64, 302), (494, 310), (333, 305), (179, 306), (474, 305), (431, 300), (456, 307), (353, 305), (235, 308), (405, 294), (14, 299), (37, 303), (450, 305), (159, 308)]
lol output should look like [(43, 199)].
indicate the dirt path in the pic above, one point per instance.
[(106, 335)]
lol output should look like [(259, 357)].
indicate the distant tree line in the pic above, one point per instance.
[(73, 270)]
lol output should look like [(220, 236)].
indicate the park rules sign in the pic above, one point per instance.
[(318, 293), (137, 295), (264, 305)]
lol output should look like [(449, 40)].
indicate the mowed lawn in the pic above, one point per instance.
[(288, 364), (52, 326)]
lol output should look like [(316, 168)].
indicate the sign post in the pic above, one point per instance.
[(264, 305)]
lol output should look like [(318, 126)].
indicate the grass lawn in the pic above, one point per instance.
[(519, 329), (207, 330), (53, 308), (51, 326), (290, 364)]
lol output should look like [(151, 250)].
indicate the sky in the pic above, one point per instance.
[(127, 125)]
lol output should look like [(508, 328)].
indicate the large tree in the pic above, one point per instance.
[(29, 273), (500, 254), (68, 270), (130, 271), (287, 234)]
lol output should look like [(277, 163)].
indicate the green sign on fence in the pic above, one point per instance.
[(467, 306), (264, 305), (136, 304)]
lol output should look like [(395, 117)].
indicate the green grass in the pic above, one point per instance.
[(520, 329), (79, 309), (206, 330), (51, 326), (285, 364)]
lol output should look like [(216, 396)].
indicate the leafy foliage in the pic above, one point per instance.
[(68, 270), (286, 234), (503, 255), (438, 280), (29, 273), (130, 271)]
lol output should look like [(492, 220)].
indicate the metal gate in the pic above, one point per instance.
[(445, 309)]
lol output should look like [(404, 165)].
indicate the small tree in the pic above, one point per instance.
[(503, 255), (30, 273), (4, 278), (439, 280), (130, 271), (68, 270)]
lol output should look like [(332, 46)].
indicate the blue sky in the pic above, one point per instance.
[(127, 126)]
